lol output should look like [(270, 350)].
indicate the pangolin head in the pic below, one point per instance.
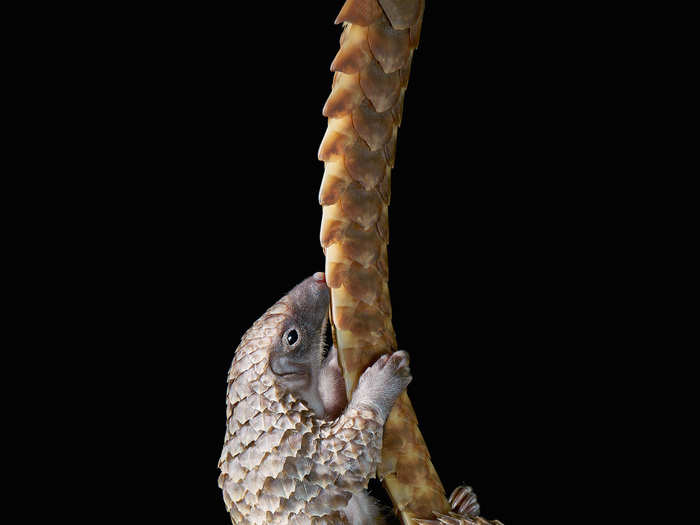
[(285, 345)]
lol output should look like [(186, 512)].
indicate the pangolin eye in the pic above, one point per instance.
[(292, 337)]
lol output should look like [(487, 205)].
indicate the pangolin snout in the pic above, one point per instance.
[(316, 291), (311, 298)]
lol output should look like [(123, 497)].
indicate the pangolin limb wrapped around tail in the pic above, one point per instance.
[(364, 110)]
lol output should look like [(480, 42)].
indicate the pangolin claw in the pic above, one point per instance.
[(455, 519), (465, 510), (463, 501)]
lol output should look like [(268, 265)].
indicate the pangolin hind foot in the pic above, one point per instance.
[(465, 510)]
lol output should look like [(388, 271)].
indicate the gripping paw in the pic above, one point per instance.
[(391, 370), (383, 382)]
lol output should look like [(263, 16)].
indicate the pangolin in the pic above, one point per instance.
[(294, 451), (286, 458), (364, 111)]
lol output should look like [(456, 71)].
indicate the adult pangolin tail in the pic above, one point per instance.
[(364, 112)]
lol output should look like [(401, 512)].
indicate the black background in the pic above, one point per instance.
[(207, 126)]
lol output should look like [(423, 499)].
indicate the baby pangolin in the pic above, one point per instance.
[(295, 451)]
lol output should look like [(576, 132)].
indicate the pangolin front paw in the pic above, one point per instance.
[(391, 370), (383, 382)]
